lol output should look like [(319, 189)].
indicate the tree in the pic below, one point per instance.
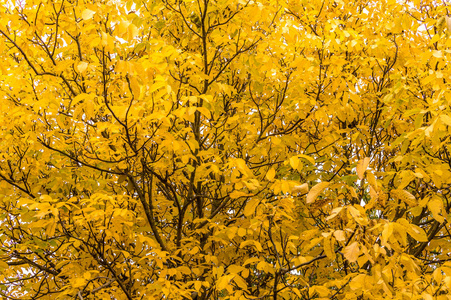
[(225, 149)]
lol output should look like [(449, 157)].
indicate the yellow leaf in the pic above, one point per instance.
[(301, 189), (285, 186), (329, 247), (270, 174), (294, 162), (241, 232), (121, 28), (386, 233), (235, 269), (205, 112), (351, 252), (416, 211), (297, 292), (358, 282), (238, 194), (448, 22), (87, 275), (406, 178), (427, 296), (250, 207), (352, 191), (418, 175), (438, 53), (404, 196), (82, 66), (357, 215), (135, 87), (334, 213), (241, 165), (25, 201), (436, 207), (184, 270), (78, 282), (316, 190), (310, 159), (339, 235), (414, 231), (256, 244), (223, 282), (373, 193), (362, 165), (251, 261), (207, 98), (192, 110), (445, 118), (417, 233), (240, 282), (50, 230), (87, 14), (132, 31), (321, 290), (3, 265), (371, 179)]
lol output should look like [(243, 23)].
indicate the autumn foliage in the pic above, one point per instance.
[(225, 149)]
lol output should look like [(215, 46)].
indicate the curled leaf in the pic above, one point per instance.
[(316, 190), (301, 189)]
